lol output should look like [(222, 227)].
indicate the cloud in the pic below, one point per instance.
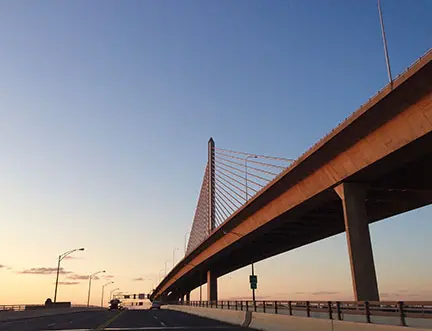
[(2, 266), (70, 257), (139, 279), (108, 276), (299, 292), (68, 283), (78, 277), (43, 271), (325, 293)]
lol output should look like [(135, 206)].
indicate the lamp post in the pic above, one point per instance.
[(160, 277), (111, 292), (175, 249), (103, 289), (185, 238), (166, 266), (89, 288), (247, 197), (61, 257), (385, 43)]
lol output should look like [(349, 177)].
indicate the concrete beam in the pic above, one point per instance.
[(353, 196)]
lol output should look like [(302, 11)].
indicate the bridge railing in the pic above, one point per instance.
[(12, 307), (380, 312), (21, 307)]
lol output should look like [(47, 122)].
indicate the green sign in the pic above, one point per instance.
[(253, 279)]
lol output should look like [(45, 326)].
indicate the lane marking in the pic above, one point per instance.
[(161, 328), (52, 324), (156, 318), (174, 328), (108, 322)]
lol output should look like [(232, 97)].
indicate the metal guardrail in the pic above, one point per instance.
[(21, 307), (332, 309), (12, 307)]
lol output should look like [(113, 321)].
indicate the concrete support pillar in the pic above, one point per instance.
[(182, 298), (187, 296), (211, 287), (353, 196)]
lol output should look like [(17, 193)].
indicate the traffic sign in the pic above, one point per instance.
[(253, 280)]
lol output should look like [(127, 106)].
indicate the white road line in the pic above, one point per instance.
[(171, 328), (162, 323), (52, 324), (158, 328)]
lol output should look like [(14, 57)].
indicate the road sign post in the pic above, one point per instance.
[(253, 280)]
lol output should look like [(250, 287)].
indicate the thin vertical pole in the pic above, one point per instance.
[(253, 290), (57, 278), (385, 43), (211, 183), (103, 288), (88, 296), (247, 198)]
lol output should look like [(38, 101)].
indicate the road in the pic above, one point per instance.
[(118, 320)]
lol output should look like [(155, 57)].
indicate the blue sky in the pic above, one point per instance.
[(106, 108)]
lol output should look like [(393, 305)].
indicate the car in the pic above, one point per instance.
[(155, 305), (114, 304)]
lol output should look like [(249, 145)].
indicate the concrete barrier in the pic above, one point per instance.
[(353, 326), (274, 322), (228, 316), (8, 316)]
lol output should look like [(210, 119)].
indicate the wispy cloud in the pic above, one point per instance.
[(2, 266), (108, 277), (78, 277), (139, 279), (43, 271), (70, 257), (68, 283)]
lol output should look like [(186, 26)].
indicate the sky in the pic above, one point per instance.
[(106, 108)]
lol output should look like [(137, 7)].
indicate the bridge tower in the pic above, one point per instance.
[(211, 277)]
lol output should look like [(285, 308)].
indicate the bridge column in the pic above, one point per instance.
[(353, 196), (211, 287), (187, 296)]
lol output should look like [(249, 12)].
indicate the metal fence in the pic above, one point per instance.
[(21, 307), (367, 311), (12, 307)]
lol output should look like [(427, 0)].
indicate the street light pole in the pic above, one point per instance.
[(160, 277), (61, 257), (175, 249), (385, 43), (247, 197), (185, 238), (89, 288), (103, 289), (111, 292), (166, 266)]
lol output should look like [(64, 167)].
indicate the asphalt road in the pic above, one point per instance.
[(118, 320)]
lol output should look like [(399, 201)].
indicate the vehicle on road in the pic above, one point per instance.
[(155, 305), (114, 304)]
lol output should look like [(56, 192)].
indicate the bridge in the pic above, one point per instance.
[(374, 165)]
